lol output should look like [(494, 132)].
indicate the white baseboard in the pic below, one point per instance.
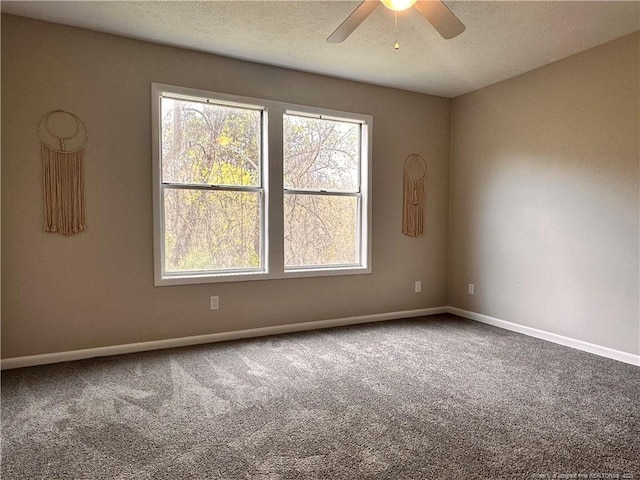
[(32, 360), (551, 337)]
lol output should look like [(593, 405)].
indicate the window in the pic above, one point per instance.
[(211, 187), (237, 200), (322, 192)]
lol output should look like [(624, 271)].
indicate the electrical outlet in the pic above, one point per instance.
[(471, 289), (417, 288), (214, 303)]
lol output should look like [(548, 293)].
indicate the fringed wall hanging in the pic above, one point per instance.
[(63, 137), (415, 173)]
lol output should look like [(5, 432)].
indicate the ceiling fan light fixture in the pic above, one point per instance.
[(434, 11), (398, 5)]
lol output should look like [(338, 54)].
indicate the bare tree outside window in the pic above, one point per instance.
[(210, 155), (321, 168)]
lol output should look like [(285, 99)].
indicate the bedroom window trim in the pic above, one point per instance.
[(271, 188)]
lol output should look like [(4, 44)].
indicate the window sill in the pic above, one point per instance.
[(194, 279)]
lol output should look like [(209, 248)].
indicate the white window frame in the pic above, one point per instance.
[(272, 215), (357, 194)]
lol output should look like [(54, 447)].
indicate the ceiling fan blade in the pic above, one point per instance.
[(442, 19), (358, 16)]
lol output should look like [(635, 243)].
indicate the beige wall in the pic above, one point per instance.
[(96, 288), (544, 198), (543, 215)]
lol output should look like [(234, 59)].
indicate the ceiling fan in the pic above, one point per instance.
[(436, 13)]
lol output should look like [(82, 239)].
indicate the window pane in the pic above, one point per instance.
[(320, 230), (321, 154), (210, 144), (211, 230)]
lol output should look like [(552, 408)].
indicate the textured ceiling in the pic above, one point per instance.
[(502, 39)]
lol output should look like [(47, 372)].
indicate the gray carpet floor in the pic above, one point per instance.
[(428, 398)]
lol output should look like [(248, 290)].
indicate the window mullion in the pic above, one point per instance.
[(274, 184)]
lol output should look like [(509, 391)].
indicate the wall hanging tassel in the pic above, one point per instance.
[(63, 137), (415, 173)]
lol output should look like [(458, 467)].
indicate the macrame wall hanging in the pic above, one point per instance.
[(63, 137), (415, 173)]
